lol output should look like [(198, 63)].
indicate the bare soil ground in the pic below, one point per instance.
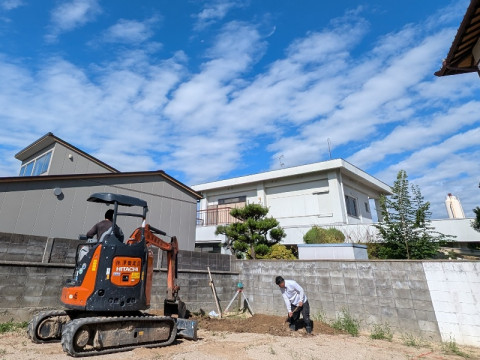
[(261, 337)]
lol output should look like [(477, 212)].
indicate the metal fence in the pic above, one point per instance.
[(215, 217)]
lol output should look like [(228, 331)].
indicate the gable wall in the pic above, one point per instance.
[(32, 208)]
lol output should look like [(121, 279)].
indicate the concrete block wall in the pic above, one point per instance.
[(437, 300), (195, 289), (28, 288), (17, 247), (40, 249), (25, 289), (455, 292), (31, 248)]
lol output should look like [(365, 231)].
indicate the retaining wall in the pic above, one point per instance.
[(437, 300)]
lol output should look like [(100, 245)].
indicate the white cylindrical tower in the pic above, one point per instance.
[(454, 208)]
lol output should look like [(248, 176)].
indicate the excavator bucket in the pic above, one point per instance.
[(186, 329)]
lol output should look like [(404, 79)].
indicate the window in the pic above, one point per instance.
[(209, 248), (351, 205), (36, 167), (367, 208), (232, 200)]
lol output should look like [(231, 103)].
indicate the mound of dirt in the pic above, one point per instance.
[(259, 324)]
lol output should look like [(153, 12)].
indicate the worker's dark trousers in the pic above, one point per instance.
[(305, 311)]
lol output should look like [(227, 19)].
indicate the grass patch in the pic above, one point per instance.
[(321, 317), (12, 326), (411, 340), (382, 332), (451, 347), (346, 322)]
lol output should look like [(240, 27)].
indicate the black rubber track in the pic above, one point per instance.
[(32, 330), (70, 329)]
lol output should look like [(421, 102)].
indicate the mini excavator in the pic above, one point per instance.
[(110, 288)]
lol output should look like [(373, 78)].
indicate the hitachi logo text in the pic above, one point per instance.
[(127, 268)]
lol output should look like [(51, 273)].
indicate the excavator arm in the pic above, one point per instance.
[(171, 248)]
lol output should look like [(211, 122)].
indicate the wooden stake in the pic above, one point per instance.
[(212, 285)]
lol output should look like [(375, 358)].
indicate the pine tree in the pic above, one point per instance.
[(476, 222), (405, 229), (253, 234)]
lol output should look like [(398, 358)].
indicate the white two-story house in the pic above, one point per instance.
[(326, 193)]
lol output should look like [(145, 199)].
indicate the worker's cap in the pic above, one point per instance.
[(279, 280)]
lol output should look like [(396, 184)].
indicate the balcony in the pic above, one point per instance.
[(214, 217)]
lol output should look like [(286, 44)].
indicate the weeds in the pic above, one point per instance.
[(320, 316), (410, 340), (12, 326), (451, 347), (382, 332), (272, 351), (346, 322)]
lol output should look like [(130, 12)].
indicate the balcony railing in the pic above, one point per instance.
[(213, 217)]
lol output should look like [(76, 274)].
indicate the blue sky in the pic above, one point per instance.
[(209, 90)]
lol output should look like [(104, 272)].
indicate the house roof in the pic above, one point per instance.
[(49, 139), (44, 178), (460, 58), (337, 164)]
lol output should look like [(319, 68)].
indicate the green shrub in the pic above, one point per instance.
[(381, 332), (318, 235), (345, 322), (12, 326), (451, 347), (279, 251), (373, 249)]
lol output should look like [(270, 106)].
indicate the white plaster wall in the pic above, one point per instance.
[(461, 228), (455, 293), (331, 252), (207, 234)]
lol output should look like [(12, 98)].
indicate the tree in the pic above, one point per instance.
[(253, 234), (279, 251), (405, 228), (476, 222), (318, 235)]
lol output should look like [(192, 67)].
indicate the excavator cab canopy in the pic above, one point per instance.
[(124, 200)]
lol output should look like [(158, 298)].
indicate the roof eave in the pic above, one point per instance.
[(328, 165), (448, 68), (41, 178)]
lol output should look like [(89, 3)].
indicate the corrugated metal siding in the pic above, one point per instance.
[(33, 209), (62, 164)]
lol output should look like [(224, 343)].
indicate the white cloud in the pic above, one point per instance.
[(201, 101), (70, 15), (129, 31), (214, 11), (11, 4), (418, 133), (381, 110)]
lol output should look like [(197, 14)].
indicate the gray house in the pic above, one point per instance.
[(56, 178)]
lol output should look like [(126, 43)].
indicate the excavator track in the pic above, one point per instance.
[(47, 326), (105, 335)]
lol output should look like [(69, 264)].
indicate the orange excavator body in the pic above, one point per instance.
[(111, 285)]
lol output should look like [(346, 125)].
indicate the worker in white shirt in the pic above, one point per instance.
[(296, 302)]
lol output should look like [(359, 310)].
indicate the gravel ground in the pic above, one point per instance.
[(259, 338)]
